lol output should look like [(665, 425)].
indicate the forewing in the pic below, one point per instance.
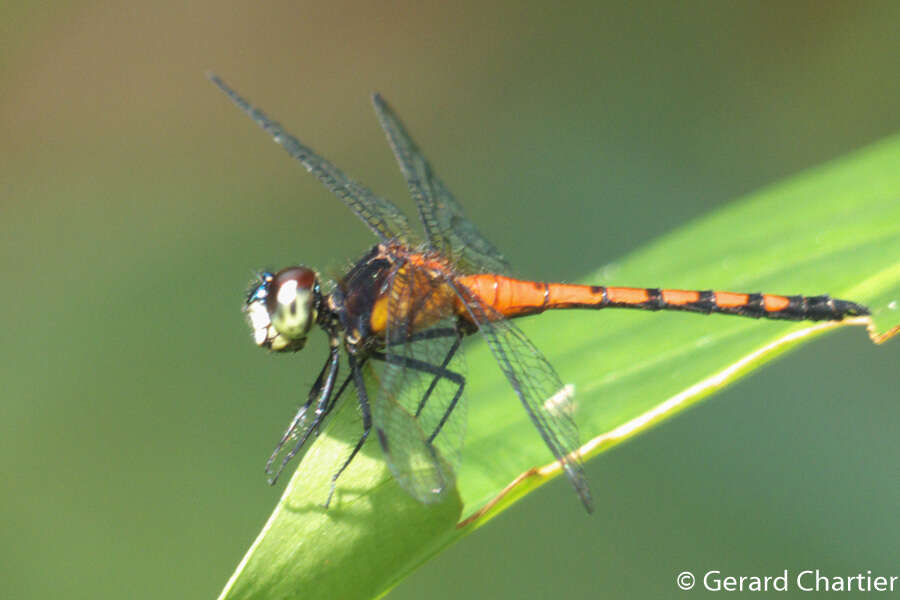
[(382, 216), (546, 400), (420, 367), (446, 227)]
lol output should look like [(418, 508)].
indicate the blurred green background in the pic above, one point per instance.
[(137, 202)]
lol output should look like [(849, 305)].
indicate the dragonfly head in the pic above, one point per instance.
[(282, 307)]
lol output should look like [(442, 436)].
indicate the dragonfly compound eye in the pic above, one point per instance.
[(291, 307), (281, 308)]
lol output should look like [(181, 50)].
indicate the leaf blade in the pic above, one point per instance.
[(834, 229)]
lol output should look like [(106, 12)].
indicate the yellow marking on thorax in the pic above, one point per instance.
[(378, 320)]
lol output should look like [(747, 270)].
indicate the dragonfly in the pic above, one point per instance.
[(406, 306)]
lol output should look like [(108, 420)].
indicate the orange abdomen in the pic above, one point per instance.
[(517, 298)]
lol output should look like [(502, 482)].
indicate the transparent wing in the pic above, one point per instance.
[(420, 413), (546, 400), (446, 227), (382, 217)]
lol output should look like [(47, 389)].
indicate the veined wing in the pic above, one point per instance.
[(382, 217), (419, 414), (546, 400), (446, 227)]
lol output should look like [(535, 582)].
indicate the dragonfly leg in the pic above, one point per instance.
[(434, 382), (362, 396), (439, 372), (322, 389), (430, 334), (339, 393)]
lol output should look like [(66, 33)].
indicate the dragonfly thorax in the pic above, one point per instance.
[(282, 308)]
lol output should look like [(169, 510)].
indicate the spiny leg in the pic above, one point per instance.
[(431, 334), (440, 372), (322, 388), (428, 334), (314, 393), (450, 353), (339, 393), (362, 396)]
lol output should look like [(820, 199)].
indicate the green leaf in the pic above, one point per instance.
[(834, 229)]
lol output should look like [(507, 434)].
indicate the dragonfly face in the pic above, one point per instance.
[(282, 308)]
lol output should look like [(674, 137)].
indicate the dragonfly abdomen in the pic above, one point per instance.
[(516, 298), (755, 305)]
